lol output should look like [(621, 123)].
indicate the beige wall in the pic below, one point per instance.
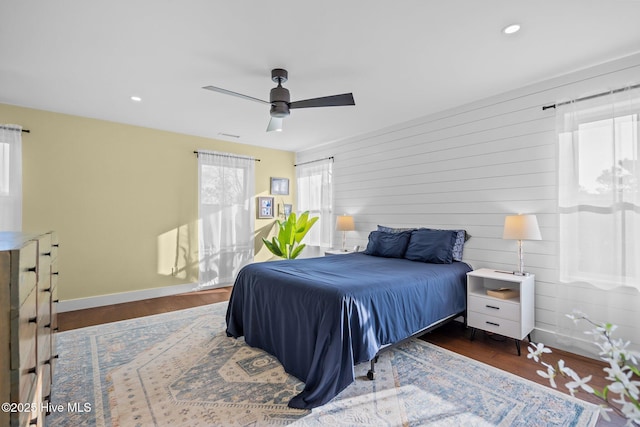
[(123, 199)]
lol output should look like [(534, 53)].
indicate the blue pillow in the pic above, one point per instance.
[(389, 245), (434, 246)]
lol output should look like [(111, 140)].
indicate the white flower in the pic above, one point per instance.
[(565, 370), (579, 382), (550, 374), (536, 350), (603, 411)]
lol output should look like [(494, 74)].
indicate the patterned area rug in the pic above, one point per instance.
[(180, 369)]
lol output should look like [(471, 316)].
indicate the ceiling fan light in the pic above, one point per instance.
[(275, 124), (511, 29)]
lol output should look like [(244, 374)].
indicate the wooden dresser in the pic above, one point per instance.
[(28, 299)]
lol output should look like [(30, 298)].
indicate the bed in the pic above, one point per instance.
[(321, 316)]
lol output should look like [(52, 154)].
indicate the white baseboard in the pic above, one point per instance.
[(102, 300), (574, 345)]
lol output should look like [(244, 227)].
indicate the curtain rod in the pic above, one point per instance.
[(597, 95), (225, 155), (313, 161), (8, 128)]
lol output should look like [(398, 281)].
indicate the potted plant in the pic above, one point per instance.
[(291, 231)]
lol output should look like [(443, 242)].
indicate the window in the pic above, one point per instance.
[(599, 195), (315, 194), (226, 223), (10, 178), (5, 167)]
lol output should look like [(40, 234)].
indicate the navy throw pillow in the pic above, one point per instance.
[(388, 245), (434, 246)]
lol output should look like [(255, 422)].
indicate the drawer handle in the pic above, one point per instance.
[(32, 269), (32, 371), (494, 324), (57, 245), (46, 254), (56, 329), (56, 300), (48, 325), (55, 273), (46, 290), (492, 306), (34, 421), (33, 319)]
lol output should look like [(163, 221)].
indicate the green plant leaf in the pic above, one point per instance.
[(272, 246), (296, 251)]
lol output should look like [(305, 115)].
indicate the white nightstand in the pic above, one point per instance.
[(337, 252), (513, 317)]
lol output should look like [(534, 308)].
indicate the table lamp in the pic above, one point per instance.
[(344, 223), (521, 227)]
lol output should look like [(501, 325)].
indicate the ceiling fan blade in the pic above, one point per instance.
[(275, 124), (325, 101), (239, 95)]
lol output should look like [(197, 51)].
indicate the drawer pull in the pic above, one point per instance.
[(56, 330), (55, 273), (32, 269), (57, 245), (494, 324), (46, 290), (34, 421), (48, 325), (33, 319), (56, 301), (492, 306), (32, 371), (46, 254)]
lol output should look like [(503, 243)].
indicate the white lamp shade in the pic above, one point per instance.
[(521, 227), (345, 223)]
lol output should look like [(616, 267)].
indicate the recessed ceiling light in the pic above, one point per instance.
[(136, 98), (511, 29)]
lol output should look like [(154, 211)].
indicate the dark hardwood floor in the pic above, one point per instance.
[(493, 350)]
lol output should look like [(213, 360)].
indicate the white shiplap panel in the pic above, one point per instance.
[(470, 166)]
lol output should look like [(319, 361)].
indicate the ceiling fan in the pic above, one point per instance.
[(280, 100)]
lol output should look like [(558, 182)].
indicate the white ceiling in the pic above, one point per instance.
[(401, 59)]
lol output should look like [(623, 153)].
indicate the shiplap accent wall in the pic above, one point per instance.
[(470, 166)]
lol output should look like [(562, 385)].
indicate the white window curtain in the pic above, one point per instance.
[(226, 184), (315, 194), (599, 192), (10, 178)]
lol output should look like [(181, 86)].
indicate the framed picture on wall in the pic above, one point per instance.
[(265, 207), (286, 210), (280, 186)]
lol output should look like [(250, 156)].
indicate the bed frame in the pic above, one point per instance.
[(371, 374)]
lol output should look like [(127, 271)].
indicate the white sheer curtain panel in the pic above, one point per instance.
[(226, 212), (10, 178), (599, 190), (315, 194)]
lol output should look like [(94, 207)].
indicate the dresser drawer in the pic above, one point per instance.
[(494, 307), (23, 355), (508, 328), (27, 271)]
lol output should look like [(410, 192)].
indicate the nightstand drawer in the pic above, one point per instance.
[(508, 328), (494, 307)]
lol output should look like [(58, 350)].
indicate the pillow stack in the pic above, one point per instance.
[(417, 244)]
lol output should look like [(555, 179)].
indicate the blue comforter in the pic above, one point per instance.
[(321, 316)]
